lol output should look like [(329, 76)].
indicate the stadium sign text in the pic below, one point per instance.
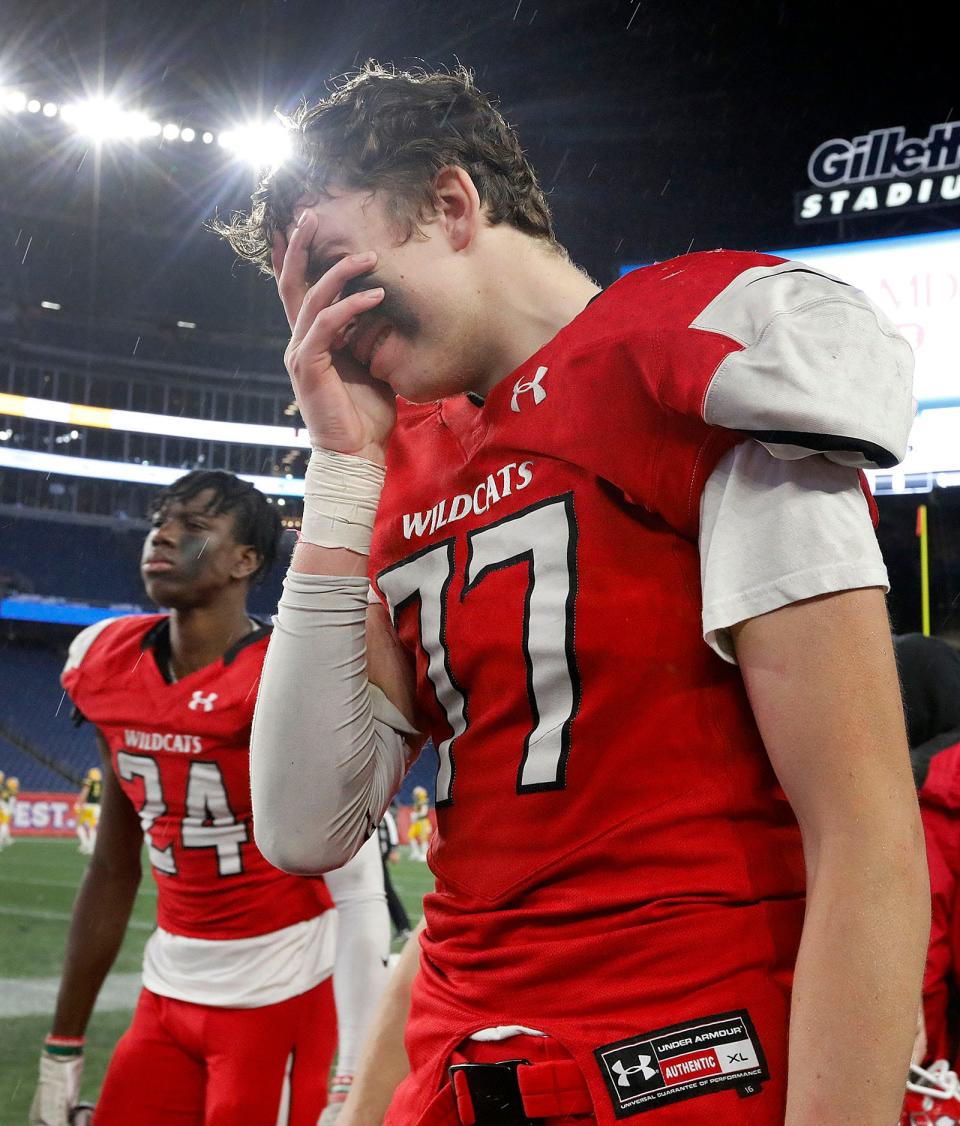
[(882, 171), (43, 814)]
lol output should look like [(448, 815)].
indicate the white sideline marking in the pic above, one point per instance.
[(67, 885), (37, 996), (62, 917)]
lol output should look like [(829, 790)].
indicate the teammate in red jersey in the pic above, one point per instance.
[(581, 490), (236, 1020), (930, 675)]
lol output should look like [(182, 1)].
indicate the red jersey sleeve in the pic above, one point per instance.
[(73, 677), (679, 361)]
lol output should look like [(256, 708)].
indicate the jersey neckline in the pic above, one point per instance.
[(157, 640)]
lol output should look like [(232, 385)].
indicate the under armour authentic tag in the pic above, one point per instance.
[(683, 1061)]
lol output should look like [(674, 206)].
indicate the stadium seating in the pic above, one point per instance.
[(98, 563), (33, 775), (33, 709), (86, 562)]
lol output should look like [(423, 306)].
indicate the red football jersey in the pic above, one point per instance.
[(181, 754), (616, 864), (939, 805)]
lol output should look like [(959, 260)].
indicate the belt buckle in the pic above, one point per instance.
[(495, 1092)]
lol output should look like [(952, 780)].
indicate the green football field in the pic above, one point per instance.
[(38, 880)]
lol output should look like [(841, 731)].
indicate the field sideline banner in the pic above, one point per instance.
[(44, 813)]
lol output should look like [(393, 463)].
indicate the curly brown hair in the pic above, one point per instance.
[(392, 131)]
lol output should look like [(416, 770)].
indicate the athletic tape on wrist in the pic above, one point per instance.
[(341, 494)]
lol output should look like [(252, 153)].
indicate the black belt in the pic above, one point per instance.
[(493, 1093)]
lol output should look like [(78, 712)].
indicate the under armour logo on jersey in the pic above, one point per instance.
[(522, 386), (624, 1073), (198, 701)]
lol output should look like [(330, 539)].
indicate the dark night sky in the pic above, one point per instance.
[(655, 126)]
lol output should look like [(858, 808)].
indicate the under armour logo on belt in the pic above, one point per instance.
[(625, 1072), (539, 394), (198, 701)]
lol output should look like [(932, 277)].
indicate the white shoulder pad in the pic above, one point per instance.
[(82, 642), (821, 370)]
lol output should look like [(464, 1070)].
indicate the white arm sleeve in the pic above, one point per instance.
[(326, 750), (361, 968), (774, 532)]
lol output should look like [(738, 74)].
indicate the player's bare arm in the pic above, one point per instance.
[(103, 905), (100, 916), (823, 686)]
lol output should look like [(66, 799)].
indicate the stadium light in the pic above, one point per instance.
[(102, 119), (54, 305), (97, 118), (262, 144), (14, 101)]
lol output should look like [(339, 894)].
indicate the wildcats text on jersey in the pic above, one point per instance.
[(190, 788), (158, 741), (493, 488)]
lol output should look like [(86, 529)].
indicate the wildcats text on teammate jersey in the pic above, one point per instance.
[(160, 741)]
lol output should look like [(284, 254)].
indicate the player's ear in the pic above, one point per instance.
[(460, 211), (246, 562)]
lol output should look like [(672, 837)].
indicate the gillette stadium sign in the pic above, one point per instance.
[(880, 172)]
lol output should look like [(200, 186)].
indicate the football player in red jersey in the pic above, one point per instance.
[(236, 1020), (627, 581), (930, 675)]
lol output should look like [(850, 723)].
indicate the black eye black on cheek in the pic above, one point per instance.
[(358, 285)]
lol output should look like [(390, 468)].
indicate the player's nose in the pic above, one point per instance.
[(163, 534)]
